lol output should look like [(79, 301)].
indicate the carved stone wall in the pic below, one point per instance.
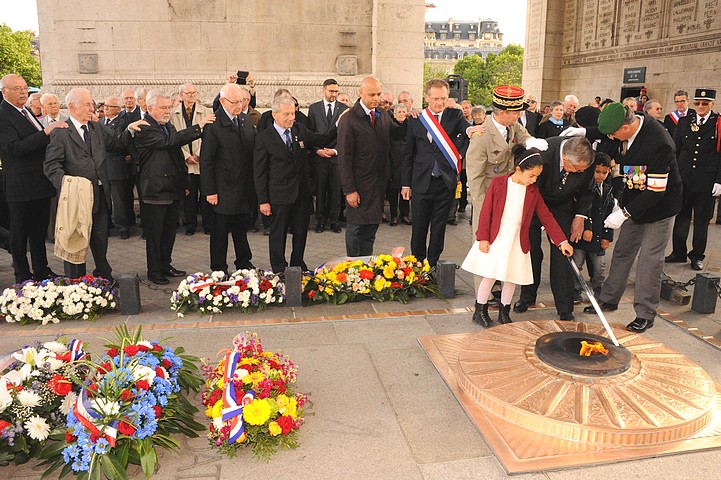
[(294, 44), (678, 41)]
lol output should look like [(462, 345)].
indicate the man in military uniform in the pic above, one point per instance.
[(680, 99), (651, 197), (699, 163)]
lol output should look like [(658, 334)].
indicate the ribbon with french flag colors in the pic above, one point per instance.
[(440, 137), (232, 408), (85, 414)]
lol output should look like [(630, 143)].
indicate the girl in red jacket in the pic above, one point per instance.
[(501, 250)]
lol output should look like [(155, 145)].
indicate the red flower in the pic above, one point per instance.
[(113, 352), (92, 389), (167, 363), (126, 428), (274, 365), (286, 423), (143, 348), (104, 368), (342, 277), (311, 294), (4, 425), (69, 437), (142, 385), (407, 271), (131, 350), (126, 395), (217, 291), (366, 274), (396, 285), (158, 411), (241, 285), (265, 285), (59, 385), (157, 348), (159, 372)]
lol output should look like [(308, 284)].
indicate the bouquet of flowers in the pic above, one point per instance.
[(58, 299), (131, 402), (381, 278), (250, 400), (247, 290), (35, 395)]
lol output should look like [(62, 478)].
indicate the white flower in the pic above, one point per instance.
[(218, 423), (28, 398), (105, 407), (141, 372), (38, 428), (26, 355), (68, 403), (5, 398), (16, 377), (55, 363)]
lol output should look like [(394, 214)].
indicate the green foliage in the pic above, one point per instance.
[(484, 75), (15, 55)]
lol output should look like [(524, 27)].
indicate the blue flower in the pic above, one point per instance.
[(77, 466), (102, 446)]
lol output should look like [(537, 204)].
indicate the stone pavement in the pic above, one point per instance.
[(378, 409)]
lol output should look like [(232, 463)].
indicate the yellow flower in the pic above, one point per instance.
[(216, 410), (292, 408), (256, 412), (410, 259), (389, 270), (221, 382), (254, 378), (426, 266), (329, 291), (380, 284), (274, 429), (283, 401), (411, 278), (249, 361)]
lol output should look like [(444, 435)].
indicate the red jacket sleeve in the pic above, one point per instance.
[(486, 216), (546, 217)]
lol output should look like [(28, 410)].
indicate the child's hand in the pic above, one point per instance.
[(587, 235), (605, 244), (484, 246), (566, 249)]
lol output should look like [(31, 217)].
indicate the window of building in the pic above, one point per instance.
[(443, 36), (471, 36), (457, 36)]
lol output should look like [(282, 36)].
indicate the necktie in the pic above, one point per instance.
[(373, 117), (624, 147), (599, 189), (329, 114), (508, 135), (50, 120), (288, 143), (680, 114), (563, 176), (165, 131), (30, 118), (701, 121), (436, 172), (235, 124), (86, 137)]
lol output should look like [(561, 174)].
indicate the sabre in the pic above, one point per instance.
[(589, 292)]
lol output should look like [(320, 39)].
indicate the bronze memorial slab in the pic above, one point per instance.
[(540, 407)]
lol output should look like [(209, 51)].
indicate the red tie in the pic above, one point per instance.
[(373, 117)]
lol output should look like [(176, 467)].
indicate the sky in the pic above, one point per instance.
[(510, 14)]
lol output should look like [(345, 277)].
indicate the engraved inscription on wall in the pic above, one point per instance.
[(533, 34), (569, 22)]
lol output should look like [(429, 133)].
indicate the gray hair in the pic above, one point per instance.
[(47, 96), (647, 105), (154, 95), (478, 109), (135, 95), (578, 151), (225, 90), (571, 98), (282, 99), (73, 96), (629, 118), (182, 87), (141, 92)]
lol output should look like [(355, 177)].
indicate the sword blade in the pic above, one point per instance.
[(589, 293)]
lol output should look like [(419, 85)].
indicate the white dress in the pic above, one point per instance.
[(505, 261)]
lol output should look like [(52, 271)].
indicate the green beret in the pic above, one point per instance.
[(611, 118)]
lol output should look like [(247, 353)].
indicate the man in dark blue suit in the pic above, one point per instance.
[(429, 174)]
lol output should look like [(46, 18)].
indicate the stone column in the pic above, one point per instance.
[(542, 55)]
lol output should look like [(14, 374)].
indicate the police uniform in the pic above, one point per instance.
[(699, 163)]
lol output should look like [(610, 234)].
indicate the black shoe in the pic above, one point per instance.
[(144, 235), (504, 314), (577, 296), (674, 258), (520, 306), (45, 275), (158, 280), (461, 209), (406, 220), (206, 231), (639, 325), (696, 265), (335, 227), (451, 221), (394, 222), (174, 272), (266, 231), (124, 234), (605, 307), (480, 316), (566, 316), (320, 228), (246, 266), (189, 232)]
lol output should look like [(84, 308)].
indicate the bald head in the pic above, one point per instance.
[(112, 107), (188, 94), (14, 89), (370, 92)]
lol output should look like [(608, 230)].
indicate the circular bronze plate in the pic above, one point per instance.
[(561, 350), (661, 397)]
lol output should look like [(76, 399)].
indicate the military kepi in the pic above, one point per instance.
[(508, 97), (611, 118), (705, 94)]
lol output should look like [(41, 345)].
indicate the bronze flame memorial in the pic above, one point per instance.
[(541, 405)]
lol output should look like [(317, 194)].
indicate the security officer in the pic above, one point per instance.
[(699, 163)]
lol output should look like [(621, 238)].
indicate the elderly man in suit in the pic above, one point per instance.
[(120, 171), (281, 180), (23, 141), (191, 112), (431, 169), (227, 179), (51, 107), (322, 116), (163, 181), (80, 151)]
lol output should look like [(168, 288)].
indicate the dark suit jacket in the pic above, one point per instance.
[(549, 129), (698, 161), (282, 176), (318, 122), (489, 221), (671, 125), (22, 151), (532, 121), (68, 154), (118, 168), (421, 154), (226, 164), (163, 173)]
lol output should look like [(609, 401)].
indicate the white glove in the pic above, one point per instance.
[(615, 220), (538, 143), (716, 189), (573, 132)]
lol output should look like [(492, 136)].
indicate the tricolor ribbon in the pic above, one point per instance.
[(233, 409), (674, 116), (76, 350), (197, 287), (441, 139), (85, 414)]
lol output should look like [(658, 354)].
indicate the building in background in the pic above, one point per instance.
[(448, 41)]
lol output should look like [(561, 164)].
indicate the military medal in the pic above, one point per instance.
[(635, 178), (300, 142), (694, 127), (495, 169)]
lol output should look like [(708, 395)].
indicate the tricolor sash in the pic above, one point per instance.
[(85, 414), (232, 408), (674, 117), (440, 137)]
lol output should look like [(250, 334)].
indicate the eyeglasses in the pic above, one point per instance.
[(18, 89), (681, 101), (232, 102), (112, 106), (701, 102), (192, 94), (531, 101)]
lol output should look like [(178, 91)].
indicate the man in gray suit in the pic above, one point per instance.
[(51, 106), (80, 150)]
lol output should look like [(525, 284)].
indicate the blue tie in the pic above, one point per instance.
[(287, 140)]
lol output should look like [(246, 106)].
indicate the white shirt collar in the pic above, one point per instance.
[(633, 137), (705, 117), (280, 130), (326, 103), (78, 125), (228, 113), (501, 128), (365, 109)]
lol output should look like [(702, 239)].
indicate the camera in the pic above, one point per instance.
[(242, 76)]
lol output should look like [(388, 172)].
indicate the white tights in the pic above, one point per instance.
[(484, 290)]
